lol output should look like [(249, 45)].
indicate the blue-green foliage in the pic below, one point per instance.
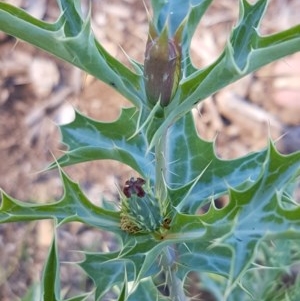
[(228, 247)]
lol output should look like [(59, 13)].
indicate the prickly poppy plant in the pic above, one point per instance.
[(165, 235)]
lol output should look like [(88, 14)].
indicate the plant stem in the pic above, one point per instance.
[(168, 263), (168, 256), (160, 168)]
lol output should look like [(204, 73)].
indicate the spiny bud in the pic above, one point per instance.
[(141, 211), (161, 66)]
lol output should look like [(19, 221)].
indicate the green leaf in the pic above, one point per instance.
[(34, 293), (74, 206), (50, 286), (195, 173), (79, 298), (71, 14), (135, 261), (245, 34), (272, 276), (51, 278), (224, 241), (193, 241), (124, 292), (147, 291), (89, 140), (176, 13), (71, 39), (106, 270), (257, 212)]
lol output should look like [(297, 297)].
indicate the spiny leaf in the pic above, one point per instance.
[(196, 174), (135, 261), (186, 13), (90, 140), (204, 249), (74, 206), (244, 36), (147, 291), (174, 12), (257, 213), (51, 278), (274, 269), (106, 271), (71, 39), (73, 21), (124, 291), (82, 297), (224, 241)]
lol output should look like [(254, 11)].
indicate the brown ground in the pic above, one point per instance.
[(37, 91)]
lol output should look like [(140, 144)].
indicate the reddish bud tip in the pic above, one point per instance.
[(133, 186)]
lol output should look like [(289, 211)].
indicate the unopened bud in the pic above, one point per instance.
[(161, 67)]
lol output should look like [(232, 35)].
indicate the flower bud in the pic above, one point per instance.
[(161, 67), (141, 211)]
